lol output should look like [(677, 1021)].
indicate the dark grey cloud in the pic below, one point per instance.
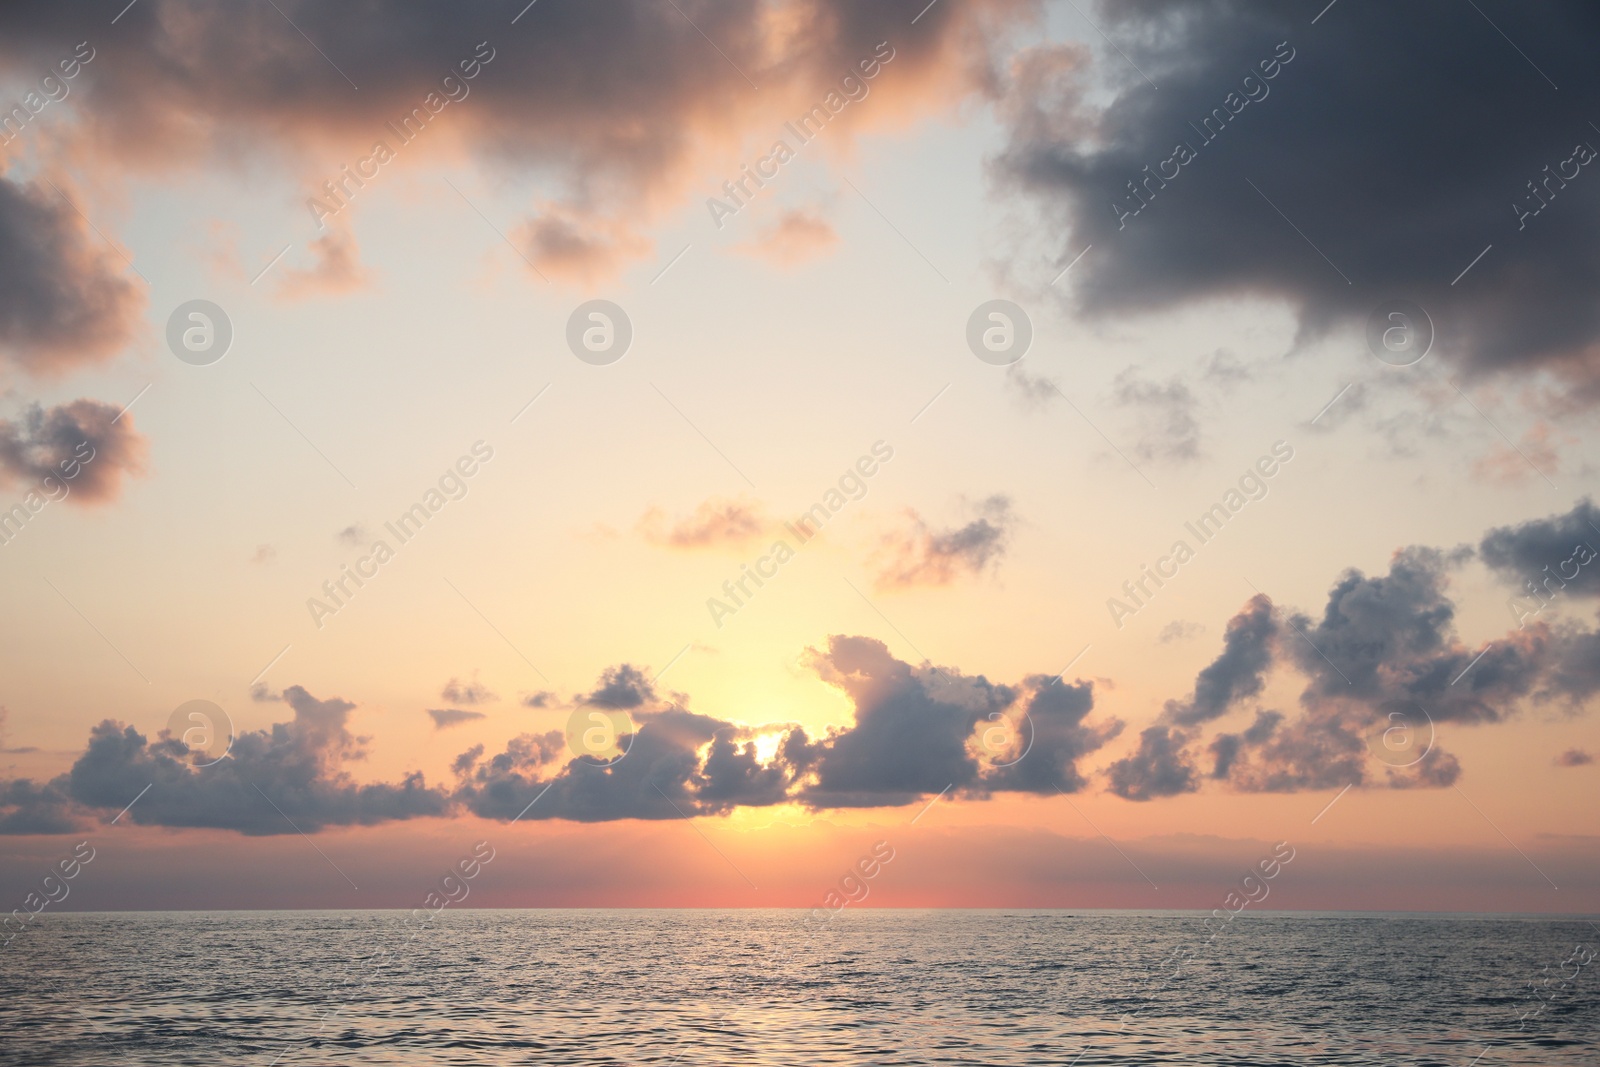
[(1542, 559), (27, 808), (1056, 739), (920, 731), (1400, 139), (79, 451), (1574, 757), (1226, 747), (297, 766), (1162, 766), (911, 728), (1159, 767), (916, 733), (621, 688), (1390, 640), (1382, 661), (663, 775), (541, 699), (930, 556), (676, 764), (1239, 672), (64, 299)]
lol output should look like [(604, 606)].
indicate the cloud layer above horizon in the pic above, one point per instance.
[(1381, 661)]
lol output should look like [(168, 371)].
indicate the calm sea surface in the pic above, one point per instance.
[(760, 987)]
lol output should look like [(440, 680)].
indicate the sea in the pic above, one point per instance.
[(677, 988)]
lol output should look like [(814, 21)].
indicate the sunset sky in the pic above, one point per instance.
[(961, 660)]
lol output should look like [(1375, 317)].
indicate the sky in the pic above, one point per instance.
[(1086, 449)]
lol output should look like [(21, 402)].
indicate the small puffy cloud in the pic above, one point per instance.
[(64, 299), (579, 248), (797, 237), (82, 449), (353, 536), (263, 554), (443, 718), (1574, 757), (469, 693), (714, 524), (336, 269), (928, 556), (542, 699), (1178, 630)]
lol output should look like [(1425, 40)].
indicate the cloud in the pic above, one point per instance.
[(920, 731), (1262, 98), (916, 732), (911, 728), (468, 693), (444, 718), (1225, 369), (1539, 555), (1034, 392), (1382, 669), (26, 808), (579, 247), (541, 699), (353, 536), (1056, 739), (1172, 432), (82, 448), (677, 764), (714, 524), (1535, 456), (292, 771), (64, 301), (263, 555), (798, 236), (337, 268), (617, 109), (925, 556), (1574, 757), (5, 713), (1178, 630), (1159, 767), (622, 688), (1239, 672)]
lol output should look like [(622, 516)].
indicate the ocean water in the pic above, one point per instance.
[(752, 988)]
